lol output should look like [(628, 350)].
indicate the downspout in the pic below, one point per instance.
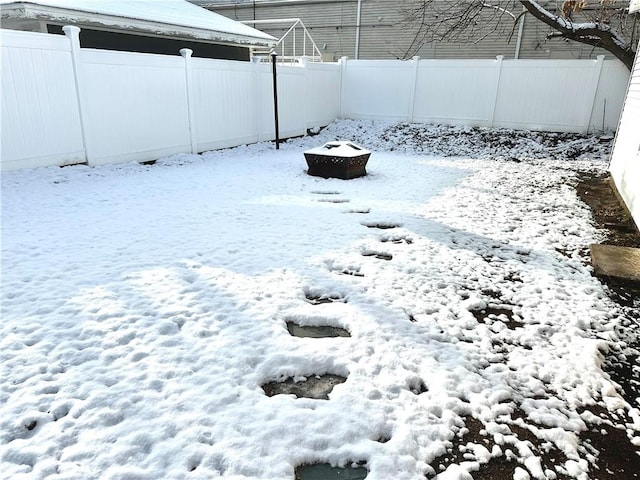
[(357, 53), (519, 40)]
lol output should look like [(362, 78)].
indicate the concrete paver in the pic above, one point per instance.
[(617, 262)]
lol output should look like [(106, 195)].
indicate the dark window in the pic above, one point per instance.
[(126, 42)]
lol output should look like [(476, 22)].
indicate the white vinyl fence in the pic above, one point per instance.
[(552, 95), (62, 104), (40, 117)]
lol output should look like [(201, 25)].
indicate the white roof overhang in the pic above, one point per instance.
[(166, 18)]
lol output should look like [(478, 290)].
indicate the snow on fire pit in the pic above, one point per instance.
[(337, 159)]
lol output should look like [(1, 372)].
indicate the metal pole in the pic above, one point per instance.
[(275, 99), (516, 56), (357, 52)]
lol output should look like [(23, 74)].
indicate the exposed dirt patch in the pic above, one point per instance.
[(606, 445), (605, 442), (608, 213), (620, 230), (502, 142), (616, 458), (493, 313)]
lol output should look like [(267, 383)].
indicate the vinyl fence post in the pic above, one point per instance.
[(186, 54), (591, 99), (258, 98), (496, 92), (304, 63), (412, 88), (343, 83), (73, 34)]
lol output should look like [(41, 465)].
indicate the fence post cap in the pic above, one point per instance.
[(186, 52), (71, 30)]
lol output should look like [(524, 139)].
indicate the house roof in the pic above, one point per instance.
[(174, 18)]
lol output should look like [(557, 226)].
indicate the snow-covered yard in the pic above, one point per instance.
[(144, 307)]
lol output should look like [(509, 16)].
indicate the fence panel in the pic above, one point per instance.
[(544, 95), (40, 117), (609, 97), (322, 95), (135, 104), (377, 89), (226, 103), (455, 92), (292, 108)]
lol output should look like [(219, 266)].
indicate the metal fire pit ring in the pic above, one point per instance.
[(339, 159)]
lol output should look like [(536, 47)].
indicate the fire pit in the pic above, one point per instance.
[(344, 160)]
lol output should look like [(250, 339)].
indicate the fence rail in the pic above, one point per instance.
[(62, 104)]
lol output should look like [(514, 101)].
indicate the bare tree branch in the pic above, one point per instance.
[(503, 10), (598, 23), (595, 33)]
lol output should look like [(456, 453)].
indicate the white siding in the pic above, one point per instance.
[(625, 160), (385, 35)]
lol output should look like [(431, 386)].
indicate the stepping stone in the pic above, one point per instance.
[(359, 210), (320, 299), (397, 239), (378, 255), (382, 225), (316, 331), (317, 387), (334, 200), (622, 263), (324, 471), (353, 273)]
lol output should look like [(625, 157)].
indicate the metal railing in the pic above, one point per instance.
[(288, 47)]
